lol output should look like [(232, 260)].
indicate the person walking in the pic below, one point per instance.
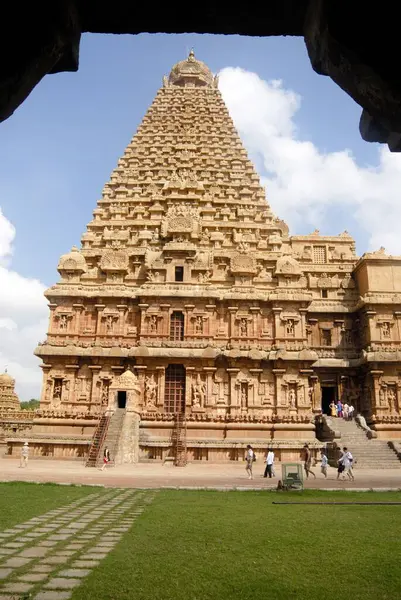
[(308, 462), (269, 470), (341, 468), (345, 411), (24, 455), (325, 464), (106, 458), (348, 461), (250, 459)]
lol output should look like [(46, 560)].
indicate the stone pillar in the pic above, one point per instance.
[(209, 385), (160, 380), (303, 335), (95, 398), (371, 327), (100, 308), (281, 402), (397, 316), (122, 310), (231, 328), (276, 329), (375, 400), (190, 378), (233, 403), (316, 393), (47, 386), (143, 325), (141, 372)]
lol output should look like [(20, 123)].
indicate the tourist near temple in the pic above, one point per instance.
[(190, 322)]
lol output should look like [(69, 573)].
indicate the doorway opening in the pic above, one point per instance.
[(328, 396), (121, 399)]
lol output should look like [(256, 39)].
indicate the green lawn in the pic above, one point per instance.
[(239, 546), (22, 501)]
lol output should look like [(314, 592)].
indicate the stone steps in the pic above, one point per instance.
[(368, 453)]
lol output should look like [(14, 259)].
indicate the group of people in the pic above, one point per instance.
[(250, 458), (345, 463), (341, 410)]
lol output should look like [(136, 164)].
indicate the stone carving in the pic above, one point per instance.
[(242, 264), (150, 391), (198, 393), (114, 260)]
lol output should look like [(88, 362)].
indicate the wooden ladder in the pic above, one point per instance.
[(180, 440), (97, 441)]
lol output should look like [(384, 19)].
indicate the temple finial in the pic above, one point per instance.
[(191, 55)]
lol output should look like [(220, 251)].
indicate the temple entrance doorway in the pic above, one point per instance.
[(328, 396), (121, 399)]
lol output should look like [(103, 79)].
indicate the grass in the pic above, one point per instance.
[(238, 545), (22, 501)]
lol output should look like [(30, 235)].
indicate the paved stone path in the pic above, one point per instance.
[(48, 556)]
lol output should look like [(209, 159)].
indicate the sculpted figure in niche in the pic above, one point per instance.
[(109, 324), (292, 398), (105, 394), (244, 396), (198, 393), (150, 390), (290, 327), (382, 397), (244, 327), (391, 397), (199, 325), (385, 331), (63, 323), (153, 324), (57, 391)]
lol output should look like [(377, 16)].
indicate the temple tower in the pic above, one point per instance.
[(188, 296)]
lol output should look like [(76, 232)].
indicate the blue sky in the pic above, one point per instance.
[(60, 146)]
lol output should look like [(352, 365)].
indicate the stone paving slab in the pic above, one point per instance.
[(74, 573), (52, 596), (16, 561), (5, 573), (18, 587), (33, 577), (62, 583)]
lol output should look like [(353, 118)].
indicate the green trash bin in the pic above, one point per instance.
[(292, 476)]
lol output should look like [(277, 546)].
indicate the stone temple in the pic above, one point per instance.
[(191, 315)]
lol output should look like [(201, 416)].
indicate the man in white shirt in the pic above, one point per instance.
[(350, 412), (269, 464)]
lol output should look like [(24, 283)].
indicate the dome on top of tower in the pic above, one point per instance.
[(6, 379), (191, 71), (72, 261)]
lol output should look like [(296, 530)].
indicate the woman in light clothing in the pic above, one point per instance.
[(325, 464), (250, 458), (24, 455)]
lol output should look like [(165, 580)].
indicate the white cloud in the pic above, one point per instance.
[(304, 184), (23, 319)]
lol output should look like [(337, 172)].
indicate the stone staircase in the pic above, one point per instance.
[(369, 453), (113, 435)]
